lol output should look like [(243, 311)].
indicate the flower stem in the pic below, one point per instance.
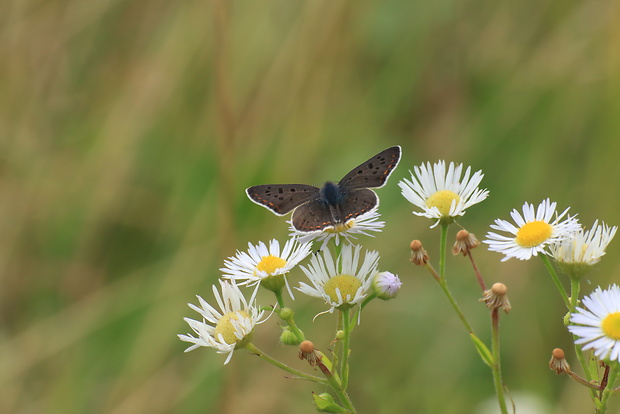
[(253, 349), (442, 250), (609, 388), (497, 369), (345, 350), (444, 286), (556, 280)]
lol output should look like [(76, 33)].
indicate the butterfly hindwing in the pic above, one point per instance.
[(315, 215), (358, 202), (282, 198), (374, 172)]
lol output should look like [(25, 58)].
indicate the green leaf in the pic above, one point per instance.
[(483, 351)]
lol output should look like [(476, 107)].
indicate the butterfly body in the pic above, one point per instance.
[(333, 205)]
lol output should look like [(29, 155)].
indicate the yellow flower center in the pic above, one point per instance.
[(340, 227), (225, 327), (533, 233), (270, 264), (443, 201), (347, 284), (611, 325)]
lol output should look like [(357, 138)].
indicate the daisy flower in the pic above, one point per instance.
[(340, 288), (225, 330), (348, 231), (266, 265), (598, 326), (585, 248), (442, 195), (533, 232)]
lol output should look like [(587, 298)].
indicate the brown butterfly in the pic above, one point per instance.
[(317, 209)]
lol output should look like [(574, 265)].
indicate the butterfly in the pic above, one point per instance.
[(317, 209)]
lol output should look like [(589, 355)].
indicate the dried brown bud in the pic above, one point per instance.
[(558, 362), (496, 297), (418, 254), (465, 241), (308, 352)]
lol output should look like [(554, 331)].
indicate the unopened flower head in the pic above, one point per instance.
[(265, 265), (465, 241), (584, 248), (443, 196), (532, 232), (598, 326), (342, 283), (361, 225), (386, 285), (226, 329)]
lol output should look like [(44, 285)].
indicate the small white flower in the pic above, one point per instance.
[(340, 288), (585, 246), (534, 231), (227, 330), (598, 327), (261, 262), (443, 195), (360, 225)]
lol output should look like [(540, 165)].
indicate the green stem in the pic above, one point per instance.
[(497, 369), (444, 286), (344, 367), (609, 388), (442, 250), (252, 348), (279, 298), (575, 287), (556, 280)]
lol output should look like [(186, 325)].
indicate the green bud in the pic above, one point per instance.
[(326, 404), (286, 313), (288, 338)]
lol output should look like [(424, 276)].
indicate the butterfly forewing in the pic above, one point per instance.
[(315, 215), (374, 172), (282, 198)]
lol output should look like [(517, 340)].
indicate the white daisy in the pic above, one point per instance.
[(534, 231), (598, 327), (585, 247), (340, 283), (227, 330), (441, 195), (265, 264), (348, 231)]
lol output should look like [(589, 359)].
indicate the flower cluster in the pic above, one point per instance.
[(343, 275)]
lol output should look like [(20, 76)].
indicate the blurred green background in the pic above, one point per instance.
[(130, 129)]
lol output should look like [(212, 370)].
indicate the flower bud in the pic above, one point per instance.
[(288, 338), (386, 285)]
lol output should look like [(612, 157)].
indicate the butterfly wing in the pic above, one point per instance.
[(317, 215), (314, 215), (358, 202), (374, 172), (282, 198)]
